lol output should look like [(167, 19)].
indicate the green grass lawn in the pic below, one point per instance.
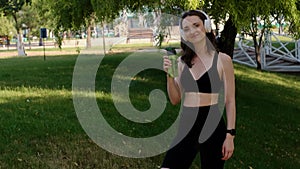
[(39, 127)]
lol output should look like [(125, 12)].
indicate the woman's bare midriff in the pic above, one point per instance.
[(195, 99)]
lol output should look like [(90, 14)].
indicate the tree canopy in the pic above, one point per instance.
[(237, 16), (6, 25), (11, 8), (245, 16)]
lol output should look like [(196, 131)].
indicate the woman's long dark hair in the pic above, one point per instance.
[(188, 50)]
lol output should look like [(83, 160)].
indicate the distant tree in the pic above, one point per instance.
[(250, 13), (25, 16), (12, 8), (7, 26), (221, 12), (70, 15), (45, 16), (245, 16), (73, 14)]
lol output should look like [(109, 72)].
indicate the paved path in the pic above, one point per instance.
[(10, 51)]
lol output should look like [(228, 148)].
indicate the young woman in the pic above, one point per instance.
[(203, 65)]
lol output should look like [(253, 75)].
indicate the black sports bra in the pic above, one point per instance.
[(209, 82)]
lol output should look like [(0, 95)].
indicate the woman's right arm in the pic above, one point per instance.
[(172, 83)]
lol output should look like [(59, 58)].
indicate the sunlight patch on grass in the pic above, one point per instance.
[(268, 78), (28, 93)]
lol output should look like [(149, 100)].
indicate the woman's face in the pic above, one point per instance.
[(193, 29)]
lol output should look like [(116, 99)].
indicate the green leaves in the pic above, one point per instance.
[(10, 7), (106, 10), (6, 25)]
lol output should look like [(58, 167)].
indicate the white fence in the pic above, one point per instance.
[(278, 53)]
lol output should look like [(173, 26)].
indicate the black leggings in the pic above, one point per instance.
[(182, 154)]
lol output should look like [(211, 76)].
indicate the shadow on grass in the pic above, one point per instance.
[(40, 129)]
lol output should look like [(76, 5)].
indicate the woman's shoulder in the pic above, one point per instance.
[(224, 58), (225, 62)]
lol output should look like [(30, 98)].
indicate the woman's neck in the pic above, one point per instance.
[(201, 50)]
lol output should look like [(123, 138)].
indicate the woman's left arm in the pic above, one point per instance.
[(229, 86)]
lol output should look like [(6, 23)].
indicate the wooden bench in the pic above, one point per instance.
[(140, 33)]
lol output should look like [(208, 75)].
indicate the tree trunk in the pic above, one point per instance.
[(103, 38), (88, 38), (29, 41), (280, 24), (257, 53), (280, 30), (20, 45), (227, 39)]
